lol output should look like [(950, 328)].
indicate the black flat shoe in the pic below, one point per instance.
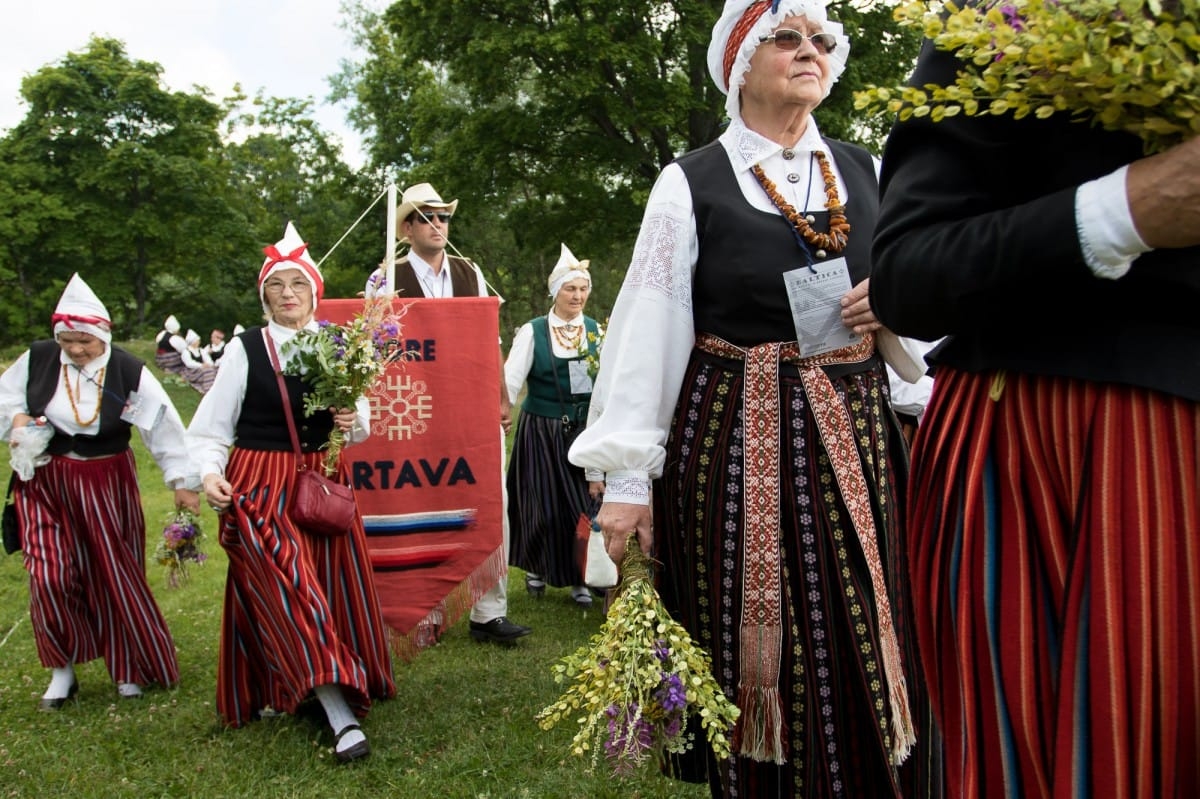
[(50, 705), (356, 752)]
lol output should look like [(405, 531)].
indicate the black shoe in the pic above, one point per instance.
[(498, 631), (359, 750), (47, 705), (535, 586)]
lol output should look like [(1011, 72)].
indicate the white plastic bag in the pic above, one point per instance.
[(27, 447), (600, 571)]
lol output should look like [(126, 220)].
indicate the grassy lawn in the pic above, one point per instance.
[(461, 724)]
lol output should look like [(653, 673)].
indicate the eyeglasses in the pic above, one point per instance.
[(787, 40), (277, 286), (429, 217)]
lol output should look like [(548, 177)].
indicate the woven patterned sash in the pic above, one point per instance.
[(760, 731)]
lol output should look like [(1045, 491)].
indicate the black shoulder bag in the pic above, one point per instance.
[(12, 531)]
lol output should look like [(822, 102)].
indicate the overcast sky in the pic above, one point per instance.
[(287, 49)]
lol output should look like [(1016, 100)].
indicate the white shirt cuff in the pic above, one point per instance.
[(1109, 240), (630, 487)]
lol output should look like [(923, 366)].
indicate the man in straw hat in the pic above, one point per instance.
[(427, 270)]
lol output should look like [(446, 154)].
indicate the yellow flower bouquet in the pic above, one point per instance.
[(637, 682), (1128, 65)]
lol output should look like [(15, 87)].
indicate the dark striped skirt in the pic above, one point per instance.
[(200, 379), (835, 701), (170, 362), (300, 610), (546, 495), (84, 538), (1056, 564)]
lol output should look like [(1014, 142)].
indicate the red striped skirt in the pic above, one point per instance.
[(300, 610), (1056, 569), (84, 539)]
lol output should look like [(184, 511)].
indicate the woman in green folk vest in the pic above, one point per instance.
[(552, 356)]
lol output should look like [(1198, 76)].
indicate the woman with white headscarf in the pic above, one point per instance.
[(742, 378), (82, 527), (546, 494), (301, 619)]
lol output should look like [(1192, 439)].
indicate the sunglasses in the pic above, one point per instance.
[(428, 218), (787, 40)]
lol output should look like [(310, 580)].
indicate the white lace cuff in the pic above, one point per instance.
[(631, 487)]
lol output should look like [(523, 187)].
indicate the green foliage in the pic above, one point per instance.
[(460, 727), (551, 121), (1122, 64)]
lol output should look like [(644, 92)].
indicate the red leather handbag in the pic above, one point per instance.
[(318, 504)]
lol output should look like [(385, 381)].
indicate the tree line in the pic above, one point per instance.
[(549, 122)]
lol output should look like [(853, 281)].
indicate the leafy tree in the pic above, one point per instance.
[(550, 121)]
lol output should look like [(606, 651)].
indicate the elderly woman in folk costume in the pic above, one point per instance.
[(81, 520), (169, 347), (546, 493), (742, 373), (301, 616)]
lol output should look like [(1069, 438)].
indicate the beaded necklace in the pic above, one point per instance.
[(98, 381), (568, 339), (839, 229)]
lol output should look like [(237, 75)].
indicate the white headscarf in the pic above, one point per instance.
[(79, 310), (734, 10), (568, 268)]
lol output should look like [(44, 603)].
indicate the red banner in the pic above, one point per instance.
[(428, 480)]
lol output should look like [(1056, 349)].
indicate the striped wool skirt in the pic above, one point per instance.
[(1055, 551), (300, 609), (170, 362), (546, 495), (836, 712), (84, 541)]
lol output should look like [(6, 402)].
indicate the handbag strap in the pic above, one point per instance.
[(567, 419), (287, 403)]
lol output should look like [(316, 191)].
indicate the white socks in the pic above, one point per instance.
[(340, 715), (61, 681)]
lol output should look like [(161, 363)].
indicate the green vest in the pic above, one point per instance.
[(548, 386)]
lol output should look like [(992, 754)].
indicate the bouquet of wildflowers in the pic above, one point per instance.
[(637, 682), (180, 546), (1128, 65), (340, 363)]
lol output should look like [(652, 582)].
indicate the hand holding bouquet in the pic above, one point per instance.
[(1128, 65), (638, 681), (340, 363)]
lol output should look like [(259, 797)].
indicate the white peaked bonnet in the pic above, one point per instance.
[(568, 268), (192, 337), (735, 38), (79, 310), (238, 330), (290, 253), (171, 325)]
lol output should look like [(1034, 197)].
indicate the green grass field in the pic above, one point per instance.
[(461, 724)]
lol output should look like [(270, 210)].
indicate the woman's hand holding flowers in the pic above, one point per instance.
[(618, 520)]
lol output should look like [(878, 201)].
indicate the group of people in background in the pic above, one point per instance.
[(1001, 604), (184, 355)]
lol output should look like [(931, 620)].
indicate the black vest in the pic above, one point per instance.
[(463, 281), (121, 377), (261, 424), (738, 291)]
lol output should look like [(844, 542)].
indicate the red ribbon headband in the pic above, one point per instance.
[(750, 16), (275, 257), (68, 318)]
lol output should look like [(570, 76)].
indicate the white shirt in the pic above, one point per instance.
[(210, 435), (164, 440)]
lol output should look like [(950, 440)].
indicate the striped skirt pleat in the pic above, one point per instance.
[(300, 609), (546, 495), (84, 541), (1056, 568)]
